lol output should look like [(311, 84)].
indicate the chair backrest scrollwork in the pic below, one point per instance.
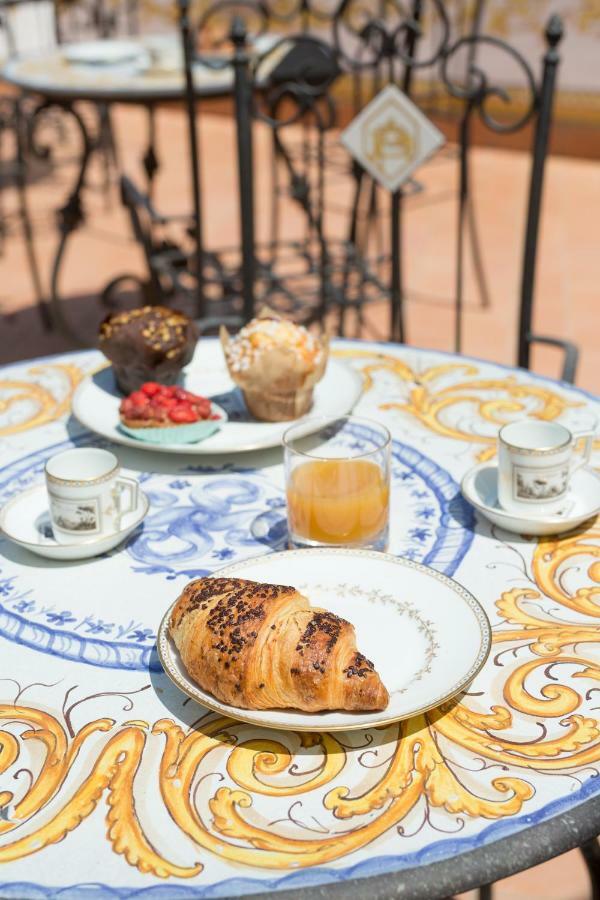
[(297, 81)]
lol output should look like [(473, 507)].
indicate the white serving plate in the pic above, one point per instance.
[(480, 488), (25, 521), (102, 52), (426, 634), (96, 405)]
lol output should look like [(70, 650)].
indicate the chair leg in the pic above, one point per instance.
[(591, 856), (28, 236), (477, 256), (108, 147)]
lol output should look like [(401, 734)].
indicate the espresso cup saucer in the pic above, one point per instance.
[(25, 520), (479, 487)]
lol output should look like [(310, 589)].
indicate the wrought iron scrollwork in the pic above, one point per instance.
[(393, 35), (477, 90), (306, 10), (214, 28), (300, 87), (71, 214), (285, 79)]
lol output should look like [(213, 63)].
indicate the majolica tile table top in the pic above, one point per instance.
[(112, 778)]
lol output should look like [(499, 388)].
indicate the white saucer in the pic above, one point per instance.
[(480, 488), (25, 521)]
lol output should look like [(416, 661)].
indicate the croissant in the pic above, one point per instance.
[(262, 646)]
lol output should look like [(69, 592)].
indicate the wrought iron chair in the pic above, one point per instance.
[(390, 53), (344, 278), (169, 247)]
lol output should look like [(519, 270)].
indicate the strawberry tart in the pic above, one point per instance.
[(162, 414)]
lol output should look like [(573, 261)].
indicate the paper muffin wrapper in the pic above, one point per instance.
[(278, 388), (278, 407)]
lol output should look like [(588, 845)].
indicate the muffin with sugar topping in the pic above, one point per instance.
[(151, 343), (277, 364)]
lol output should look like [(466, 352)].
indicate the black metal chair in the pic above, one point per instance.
[(338, 276), (169, 247), (390, 53)]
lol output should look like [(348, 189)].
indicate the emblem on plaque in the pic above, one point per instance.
[(391, 137)]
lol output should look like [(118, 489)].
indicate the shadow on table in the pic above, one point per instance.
[(466, 516), (105, 380), (372, 741), (29, 560), (161, 463)]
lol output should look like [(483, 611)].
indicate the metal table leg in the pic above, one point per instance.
[(71, 215)]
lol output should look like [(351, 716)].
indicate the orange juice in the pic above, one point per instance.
[(337, 501)]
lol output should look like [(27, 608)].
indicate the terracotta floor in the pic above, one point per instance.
[(567, 290)]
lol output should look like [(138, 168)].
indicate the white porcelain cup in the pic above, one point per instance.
[(87, 495), (535, 462)]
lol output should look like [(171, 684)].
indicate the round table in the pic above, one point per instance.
[(109, 776), (51, 76)]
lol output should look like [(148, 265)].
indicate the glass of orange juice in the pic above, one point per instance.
[(338, 483)]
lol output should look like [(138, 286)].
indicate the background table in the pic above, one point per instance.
[(109, 776), (51, 76)]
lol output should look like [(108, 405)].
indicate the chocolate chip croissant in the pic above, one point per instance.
[(262, 646)]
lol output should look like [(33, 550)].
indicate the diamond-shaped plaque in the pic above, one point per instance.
[(391, 137)]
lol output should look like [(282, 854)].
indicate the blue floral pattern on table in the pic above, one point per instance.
[(202, 518)]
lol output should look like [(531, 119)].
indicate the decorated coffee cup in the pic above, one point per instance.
[(87, 494), (535, 462)]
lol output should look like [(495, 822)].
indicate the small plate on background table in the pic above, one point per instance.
[(480, 488), (426, 634), (25, 521), (106, 52), (96, 405)]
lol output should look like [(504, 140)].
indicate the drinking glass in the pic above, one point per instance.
[(338, 483)]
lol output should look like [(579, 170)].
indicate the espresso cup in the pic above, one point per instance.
[(535, 462), (87, 496)]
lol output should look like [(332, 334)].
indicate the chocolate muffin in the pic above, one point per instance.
[(151, 343)]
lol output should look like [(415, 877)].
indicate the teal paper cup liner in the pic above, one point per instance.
[(177, 434)]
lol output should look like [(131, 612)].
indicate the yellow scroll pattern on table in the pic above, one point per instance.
[(45, 395), (254, 770), (493, 401), (41, 397)]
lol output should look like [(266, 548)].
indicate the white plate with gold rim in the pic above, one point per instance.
[(96, 405), (426, 634)]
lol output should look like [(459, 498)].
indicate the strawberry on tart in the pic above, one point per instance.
[(165, 414)]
